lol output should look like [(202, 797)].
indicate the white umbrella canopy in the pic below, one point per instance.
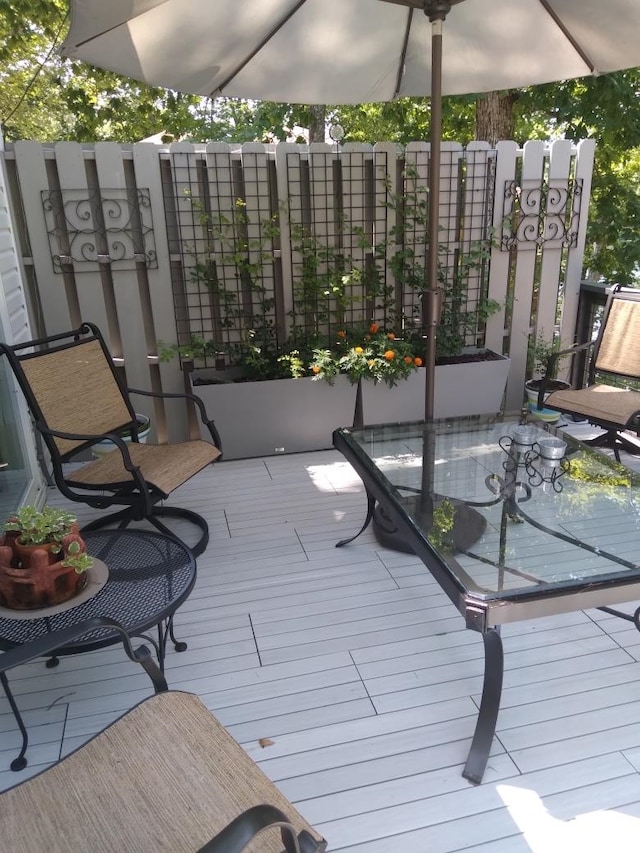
[(350, 51), (358, 51)]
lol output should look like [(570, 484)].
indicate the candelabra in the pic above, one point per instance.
[(540, 458)]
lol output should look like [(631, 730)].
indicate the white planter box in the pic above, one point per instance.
[(277, 416), (532, 387), (469, 388)]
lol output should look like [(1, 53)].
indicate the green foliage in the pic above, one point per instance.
[(50, 526), (538, 354), (591, 469), (464, 312), (444, 517), (607, 109), (35, 527), (77, 558), (44, 96)]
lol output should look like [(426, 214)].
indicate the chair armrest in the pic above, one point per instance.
[(237, 834), (43, 646), (550, 367), (209, 423), (93, 438), (571, 351)]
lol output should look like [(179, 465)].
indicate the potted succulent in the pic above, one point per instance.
[(539, 366), (43, 558)]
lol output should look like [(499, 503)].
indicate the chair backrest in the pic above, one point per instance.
[(71, 386), (618, 347)]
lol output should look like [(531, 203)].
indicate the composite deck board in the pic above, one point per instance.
[(360, 673)]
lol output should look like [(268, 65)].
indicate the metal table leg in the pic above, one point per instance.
[(371, 502), (489, 706), (20, 762)]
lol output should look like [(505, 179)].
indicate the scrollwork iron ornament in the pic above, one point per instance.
[(541, 213), (93, 227)]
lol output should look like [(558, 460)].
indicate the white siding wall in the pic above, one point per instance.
[(14, 327)]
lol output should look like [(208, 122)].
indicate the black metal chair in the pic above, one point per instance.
[(613, 356), (77, 400)]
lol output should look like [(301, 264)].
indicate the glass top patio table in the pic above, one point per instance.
[(568, 535), (514, 521)]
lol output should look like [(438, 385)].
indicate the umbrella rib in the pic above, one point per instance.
[(403, 55), (258, 48), (565, 32), (114, 27)]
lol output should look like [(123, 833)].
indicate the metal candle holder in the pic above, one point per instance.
[(541, 458), (547, 462), (519, 449)]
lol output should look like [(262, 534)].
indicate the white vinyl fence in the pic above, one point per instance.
[(118, 235)]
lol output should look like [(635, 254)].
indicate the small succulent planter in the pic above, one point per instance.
[(40, 583), (41, 574), (546, 414)]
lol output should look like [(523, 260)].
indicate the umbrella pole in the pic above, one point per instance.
[(436, 10), (432, 295)]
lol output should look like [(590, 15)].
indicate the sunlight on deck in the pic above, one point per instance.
[(547, 833)]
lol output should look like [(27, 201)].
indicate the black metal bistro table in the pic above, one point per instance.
[(149, 576), (515, 521)]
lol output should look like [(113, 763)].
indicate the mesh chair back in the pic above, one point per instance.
[(75, 390), (619, 345)]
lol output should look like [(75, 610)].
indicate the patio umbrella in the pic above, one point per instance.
[(358, 51)]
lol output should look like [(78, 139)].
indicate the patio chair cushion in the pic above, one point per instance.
[(614, 354), (600, 403), (164, 777), (164, 466)]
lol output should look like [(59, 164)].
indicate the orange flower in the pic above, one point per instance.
[(342, 334), (407, 359), (358, 350), (373, 328), (389, 355), (417, 361), (315, 368), (391, 336)]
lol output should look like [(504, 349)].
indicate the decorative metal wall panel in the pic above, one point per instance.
[(97, 226), (541, 213)]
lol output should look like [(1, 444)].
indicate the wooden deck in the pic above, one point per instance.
[(360, 675)]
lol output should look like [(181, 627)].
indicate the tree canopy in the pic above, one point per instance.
[(46, 97)]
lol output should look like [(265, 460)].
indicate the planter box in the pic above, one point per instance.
[(467, 388), (276, 416)]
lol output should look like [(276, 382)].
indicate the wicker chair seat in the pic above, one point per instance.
[(613, 355), (163, 466), (601, 403)]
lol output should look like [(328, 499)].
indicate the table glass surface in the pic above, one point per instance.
[(150, 575), (498, 540)]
